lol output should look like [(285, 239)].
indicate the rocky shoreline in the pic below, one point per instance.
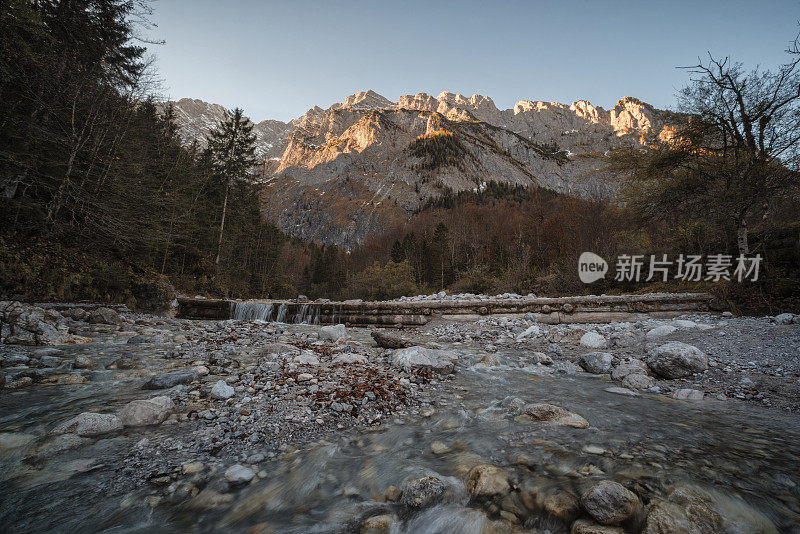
[(203, 413)]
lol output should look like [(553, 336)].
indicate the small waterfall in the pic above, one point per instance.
[(281, 317), (307, 314), (251, 311)]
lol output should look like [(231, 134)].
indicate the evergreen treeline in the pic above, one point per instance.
[(98, 197)]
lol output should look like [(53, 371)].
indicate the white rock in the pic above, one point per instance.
[(533, 330), (684, 324), (659, 331), (222, 391), (785, 318), (593, 340), (442, 361), (304, 377), (239, 474), (332, 333), (146, 412), (90, 424)]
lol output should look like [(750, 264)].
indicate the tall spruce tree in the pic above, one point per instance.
[(232, 149)]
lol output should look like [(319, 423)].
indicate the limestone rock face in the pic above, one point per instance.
[(343, 173), (24, 324)]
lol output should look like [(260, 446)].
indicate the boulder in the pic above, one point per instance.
[(422, 492), (487, 481), (596, 362), (687, 394), (610, 503), (785, 318), (531, 331), (630, 367), (388, 341), (146, 412), (171, 379), (417, 358), (542, 358), (222, 391), (333, 333), (676, 360), (661, 331), (306, 358), (562, 506), (90, 424), (105, 316), (83, 362), (550, 413), (638, 381), (692, 510), (238, 474), (593, 340)]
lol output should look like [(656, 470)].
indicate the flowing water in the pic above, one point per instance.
[(745, 455)]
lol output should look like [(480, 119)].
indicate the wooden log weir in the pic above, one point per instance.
[(549, 310)]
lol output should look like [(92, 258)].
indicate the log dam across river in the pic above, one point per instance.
[(549, 310)]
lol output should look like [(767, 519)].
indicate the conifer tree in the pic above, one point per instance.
[(232, 149)]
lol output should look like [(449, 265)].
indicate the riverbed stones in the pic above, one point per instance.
[(24, 324), (388, 341), (239, 475), (550, 413), (597, 363), (270, 349), (486, 480), (146, 412), (416, 358), (562, 506), (610, 503), (422, 492), (593, 340), (541, 358), (171, 379), (88, 424), (676, 360), (333, 333), (222, 391)]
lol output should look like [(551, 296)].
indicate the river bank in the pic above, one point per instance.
[(264, 427)]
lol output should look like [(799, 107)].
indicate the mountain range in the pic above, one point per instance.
[(340, 174)]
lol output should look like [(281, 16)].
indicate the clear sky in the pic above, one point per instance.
[(276, 59)]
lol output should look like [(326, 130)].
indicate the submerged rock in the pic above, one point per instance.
[(584, 526), (90, 424), (422, 492), (557, 415), (610, 503), (487, 481), (677, 360), (562, 506)]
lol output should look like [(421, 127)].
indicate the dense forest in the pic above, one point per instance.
[(101, 201)]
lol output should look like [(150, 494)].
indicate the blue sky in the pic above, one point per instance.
[(276, 59)]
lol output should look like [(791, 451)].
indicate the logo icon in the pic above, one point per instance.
[(591, 267)]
